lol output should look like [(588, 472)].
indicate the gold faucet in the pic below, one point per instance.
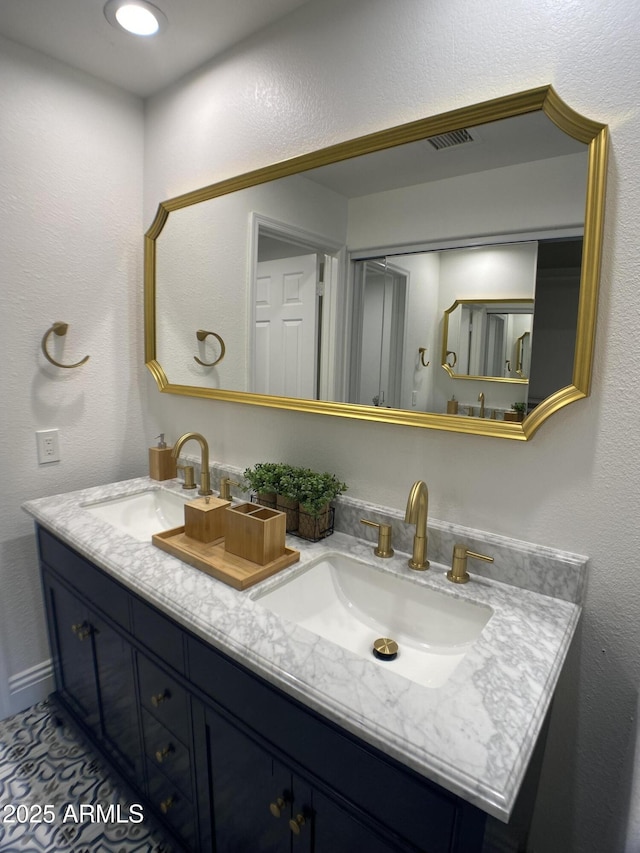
[(417, 509), (481, 401), (205, 482)]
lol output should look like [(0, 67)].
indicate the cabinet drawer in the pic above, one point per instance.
[(411, 805), (174, 807), (164, 698), (168, 754), (159, 634), (95, 586)]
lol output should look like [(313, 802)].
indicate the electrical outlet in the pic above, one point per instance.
[(48, 446)]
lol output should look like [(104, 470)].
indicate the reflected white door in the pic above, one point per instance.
[(379, 309), (286, 338)]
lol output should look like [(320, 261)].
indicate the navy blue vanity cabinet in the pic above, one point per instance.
[(109, 651), (228, 761), (166, 724), (260, 804), (93, 661), (343, 793), (251, 793), (71, 637), (120, 730)]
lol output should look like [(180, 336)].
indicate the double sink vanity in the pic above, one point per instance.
[(264, 719)]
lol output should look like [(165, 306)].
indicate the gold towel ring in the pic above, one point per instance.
[(59, 329), (201, 335), (421, 352)]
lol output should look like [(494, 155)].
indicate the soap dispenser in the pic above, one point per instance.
[(162, 465)]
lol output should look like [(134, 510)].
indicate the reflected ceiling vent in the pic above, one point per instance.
[(453, 139)]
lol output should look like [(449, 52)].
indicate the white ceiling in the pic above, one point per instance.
[(76, 32)]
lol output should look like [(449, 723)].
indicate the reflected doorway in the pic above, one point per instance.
[(380, 295), (293, 307)]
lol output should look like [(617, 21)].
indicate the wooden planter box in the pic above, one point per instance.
[(290, 508), (255, 533), (266, 499)]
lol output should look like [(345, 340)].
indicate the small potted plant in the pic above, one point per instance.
[(518, 413), (264, 479), (316, 491), (288, 495)]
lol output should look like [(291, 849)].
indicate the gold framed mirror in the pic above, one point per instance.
[(519, 171), (487, 339)]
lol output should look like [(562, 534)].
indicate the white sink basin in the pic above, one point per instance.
[(352, 603), (142, 514)]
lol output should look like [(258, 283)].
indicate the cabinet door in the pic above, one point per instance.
[(260, 805), (72, 647), (116, 685), (338, 831), (251, 793), (94, 674)]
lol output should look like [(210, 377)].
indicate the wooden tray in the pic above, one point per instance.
[(210, 557)]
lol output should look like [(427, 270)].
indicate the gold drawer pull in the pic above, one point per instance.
[(167, 805), (165, 752), (276, 808), (82, 630), (296, 823), (158, 698)]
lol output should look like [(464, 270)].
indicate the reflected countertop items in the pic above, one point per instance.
[(453, 734)]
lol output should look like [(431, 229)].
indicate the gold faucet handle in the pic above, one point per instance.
[(189, 479), (458, 572), (383, 548), (225, 483)]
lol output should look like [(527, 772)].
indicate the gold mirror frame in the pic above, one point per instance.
[(545, 99), (448, 363)]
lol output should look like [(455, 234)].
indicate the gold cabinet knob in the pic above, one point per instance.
[(82, 630), (276, 807), (164, 753), (296, 823), (167, 805), (158, 698)]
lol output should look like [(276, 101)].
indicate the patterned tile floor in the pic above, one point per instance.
[(47, 773)]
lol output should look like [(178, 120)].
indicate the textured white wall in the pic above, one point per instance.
[(351, 68), (71, 224)]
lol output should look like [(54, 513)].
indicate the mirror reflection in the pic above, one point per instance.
[(488, 339), (344, 283)]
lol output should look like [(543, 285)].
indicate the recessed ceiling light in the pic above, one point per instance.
[(135, 16)]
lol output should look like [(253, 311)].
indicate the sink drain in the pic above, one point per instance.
[(385, 648)]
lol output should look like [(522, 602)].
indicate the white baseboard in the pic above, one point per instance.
[(30, 686)]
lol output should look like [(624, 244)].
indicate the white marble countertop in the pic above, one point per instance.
[(474, 735)]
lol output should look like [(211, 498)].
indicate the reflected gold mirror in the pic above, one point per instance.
[(455, 256), (488, 339)]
